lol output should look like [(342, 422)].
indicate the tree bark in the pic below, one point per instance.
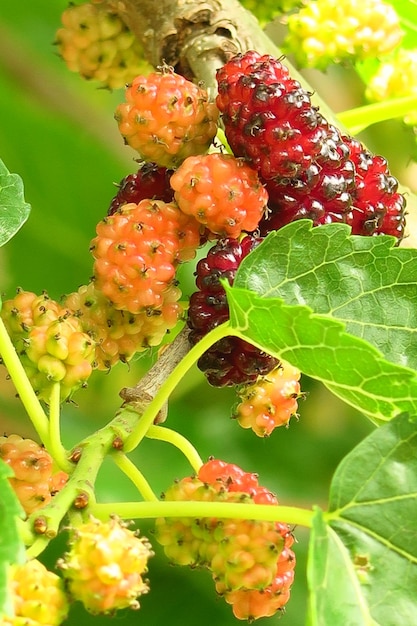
[(193, 37)]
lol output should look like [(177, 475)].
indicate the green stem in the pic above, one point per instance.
[(25, 533), (179, 441), (360, 118), (23, 387), (156, 404), (135, 475), (37, 547), (221, 510), (56, 449), (94, 449)]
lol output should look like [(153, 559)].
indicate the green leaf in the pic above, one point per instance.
[(319, 346), (336, 595), (373, 509), (11, 547), (14, 211), (364, 281)]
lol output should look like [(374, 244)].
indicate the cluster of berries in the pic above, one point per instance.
[(51, 343), (310, 169), (34, 480), (288, 163), (219, 193), (95, 42), (38, 596), (104, 569), (365, 29), (251, 561), (105, 565)]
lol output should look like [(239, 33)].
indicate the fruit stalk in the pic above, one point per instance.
[(23, 387), (197, 509), (359, 118), (170, 382), (135, 475), (179, 441), (57, 450)]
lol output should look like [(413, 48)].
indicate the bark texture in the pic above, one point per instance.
[(193, 37)]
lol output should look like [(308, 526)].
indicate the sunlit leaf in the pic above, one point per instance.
[(364, 281), (373, 506), (319, 346), (14, 211), (336, 595)]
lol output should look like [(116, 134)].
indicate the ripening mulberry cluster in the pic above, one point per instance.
[(288, 163), (333, 31), (38, 596), (51, 342), (251, 561), (310, 169), (106, 565), (172, 123), (34, 481), (271, 401), (95, 42)]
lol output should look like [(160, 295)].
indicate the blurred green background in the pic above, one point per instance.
[(57, 132)]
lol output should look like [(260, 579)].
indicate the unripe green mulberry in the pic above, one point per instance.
[(38, 596), (333, 31), (105, 565), (51, 343), (95, 42), (183, 537), (395, 78)]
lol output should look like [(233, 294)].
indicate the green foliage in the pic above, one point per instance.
[(12, 549), (336, 596), (342, 309), (363, 281), (14, 211), (339, 308), (365, 563)]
